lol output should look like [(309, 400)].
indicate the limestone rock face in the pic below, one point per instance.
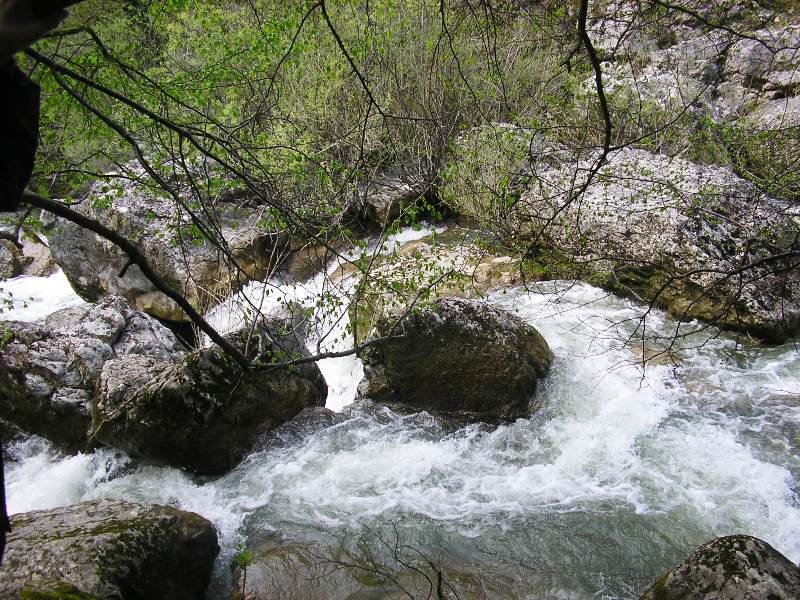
[(203, 413), (50, 369), (191, 265), (737, 567), (36, 259), (108, 549), (458, 357), (648, 220)]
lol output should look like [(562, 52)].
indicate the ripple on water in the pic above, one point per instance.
[(618, 476)]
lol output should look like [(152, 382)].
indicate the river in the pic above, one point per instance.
[(622, 471)]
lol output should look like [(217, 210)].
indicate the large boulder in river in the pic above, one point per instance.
[(108, 549), (737, 567), (173, 244), (694, 239), (49, 370), (204, 413), (457, 357)]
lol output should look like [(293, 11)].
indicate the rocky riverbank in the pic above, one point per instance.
[(485, 450)]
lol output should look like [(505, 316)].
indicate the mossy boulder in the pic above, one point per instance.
[(108, 549), (53, 590), (204, 413), (738, 567), (457, 357), (696, 240), (455, 263)]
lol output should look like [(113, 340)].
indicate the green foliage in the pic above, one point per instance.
[(243, 557), (6, 336), (487, 171), (767, 158), (270, 93), (52, 590)]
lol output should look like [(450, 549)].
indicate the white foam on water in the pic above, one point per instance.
[(706, 442), (329, 303), (38, 477), (34, 298)]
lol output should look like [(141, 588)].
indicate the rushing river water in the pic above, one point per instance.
[(618, 476)]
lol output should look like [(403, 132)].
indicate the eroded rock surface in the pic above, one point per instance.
[(738, 567), (50, 369), (203, 413), (172, 244), (109, 549), (707, 239)]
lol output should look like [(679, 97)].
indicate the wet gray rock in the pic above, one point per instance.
[(303, 426), (109, 549), (203, 413), (9, 260), (384, 198), (195, 267), (737, 567), (50, 369), (457, 357)]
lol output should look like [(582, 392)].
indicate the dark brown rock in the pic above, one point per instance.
[(204, 413), (458, 357)]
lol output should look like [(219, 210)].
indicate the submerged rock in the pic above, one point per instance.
[(50, 369), (738, 567), (108, 549), (384, 563), (204, 413), (458, 357), (297, 572)]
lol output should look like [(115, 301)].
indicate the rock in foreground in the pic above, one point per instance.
[(458, 357), (203, 413), (109, 549), (737, 567)]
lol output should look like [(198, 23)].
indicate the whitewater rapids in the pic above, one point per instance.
[(619, 475)]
